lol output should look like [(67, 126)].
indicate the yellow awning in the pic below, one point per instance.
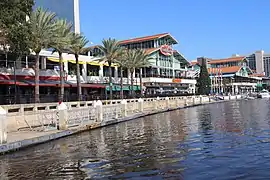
[(94, 63), (55, 59)]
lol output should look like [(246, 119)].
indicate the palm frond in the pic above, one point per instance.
[(62, 35), (111, 49), (41, 24)]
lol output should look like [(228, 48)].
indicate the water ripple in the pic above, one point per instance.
[(218, 141)]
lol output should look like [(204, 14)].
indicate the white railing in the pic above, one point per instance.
[(81, 116)]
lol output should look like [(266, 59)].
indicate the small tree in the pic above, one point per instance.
[(122, 62), (204, 81), (136, 59), (41, 26), (77, 47), (60, 43), (112, 51)]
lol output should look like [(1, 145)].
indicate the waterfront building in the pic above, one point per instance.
[(232, 75), (167, 75), (67, 9), (168, 72)]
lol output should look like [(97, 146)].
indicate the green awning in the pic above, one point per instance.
[(125, 88), (259, 85)]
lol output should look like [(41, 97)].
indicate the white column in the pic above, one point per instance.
[(100, 72), (84, 71), (66, 66), (43, 62), (63, 116), (3, 125), (77, 28), (116, 72), (99, 111), (124, 107), (26, 62), (128, 76)]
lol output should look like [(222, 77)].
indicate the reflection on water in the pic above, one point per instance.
[(218, 141)]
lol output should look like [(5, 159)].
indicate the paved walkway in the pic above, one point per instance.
[(22, 135)]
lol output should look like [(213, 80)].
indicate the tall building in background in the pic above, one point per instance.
[(260, 62), (67, 9)]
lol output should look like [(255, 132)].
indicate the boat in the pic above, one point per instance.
[(264, 94)]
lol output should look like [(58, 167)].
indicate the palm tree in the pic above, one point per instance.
[(136, 60), (60, 43), (144, 62), (112, 51), (77, 47), (41, 23), (122, 62)]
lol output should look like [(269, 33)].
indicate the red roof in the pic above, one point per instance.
[(232, 59), (146, 38), (257, 75), (193, 63), (231, 69), (151, 50)]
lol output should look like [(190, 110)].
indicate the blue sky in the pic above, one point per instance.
[(211, 28)]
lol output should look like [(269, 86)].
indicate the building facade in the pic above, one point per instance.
[(167, 75), (232, 75), (259, 62), (168, 71), (67, 9)]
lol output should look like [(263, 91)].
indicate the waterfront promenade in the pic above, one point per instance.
[(30, 124)]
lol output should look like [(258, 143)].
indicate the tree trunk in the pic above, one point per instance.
[(62, 90), (121, 83), (36, 79), (110, 80), (79, 88), (132, 91), (141, 83)]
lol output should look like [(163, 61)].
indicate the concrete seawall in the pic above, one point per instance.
[(110, 114)]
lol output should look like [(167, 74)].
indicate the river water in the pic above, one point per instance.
[(218, 141)]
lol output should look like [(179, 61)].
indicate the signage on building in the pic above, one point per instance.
[(166, 50), (176, 80)]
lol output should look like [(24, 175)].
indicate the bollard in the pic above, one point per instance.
[(209, 98), (140, 102), (99, 111), (124, 107), (94, 103), (167, 99), (178, 102), (229, 97), (185, 101), (63, 116), (156, 101), (193, 100), (201, 99), (3, 126)]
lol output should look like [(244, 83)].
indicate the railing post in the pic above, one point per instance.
[(156, 102), (124, 107), (140, 101), (185, 101), (167, 99), (99, 111), (3, 126), (201, 99), (63, 116)]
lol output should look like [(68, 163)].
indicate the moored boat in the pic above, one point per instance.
[(264, 94)]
